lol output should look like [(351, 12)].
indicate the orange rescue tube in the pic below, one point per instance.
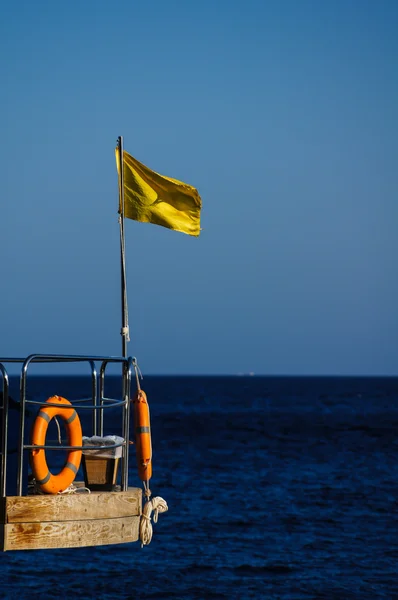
[(142, 429), (49, 483)]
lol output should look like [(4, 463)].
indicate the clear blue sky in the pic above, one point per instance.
[(284, 115)]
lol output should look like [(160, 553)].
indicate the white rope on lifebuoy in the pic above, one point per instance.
[(157, 505), (35, 489), (72, 489)]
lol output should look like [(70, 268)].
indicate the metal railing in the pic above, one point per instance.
[(4, 426), (98, 403)]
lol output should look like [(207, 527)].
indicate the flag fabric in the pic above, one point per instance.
[(153, 198)]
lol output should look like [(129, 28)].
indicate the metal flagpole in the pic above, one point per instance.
[(125, 326), (125, 319)]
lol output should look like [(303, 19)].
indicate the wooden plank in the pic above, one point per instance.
[(71, 534), (73, 507)]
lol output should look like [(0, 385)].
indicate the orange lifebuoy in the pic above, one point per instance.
[(142, 429), (49, 483)]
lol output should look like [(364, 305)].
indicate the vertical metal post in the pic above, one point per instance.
[(101, 396), (94, 396), (22, 388), (124, 331), (4, 426), (126, 427)]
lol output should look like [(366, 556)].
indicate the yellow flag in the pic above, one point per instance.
[(153, 198)]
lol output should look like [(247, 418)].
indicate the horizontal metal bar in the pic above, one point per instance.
[(62, 447), (108, 400), (67, 406), (38, 358)]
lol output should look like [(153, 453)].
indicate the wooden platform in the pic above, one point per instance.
[(70, 521)]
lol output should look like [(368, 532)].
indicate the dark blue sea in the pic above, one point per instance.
[(277, 487)]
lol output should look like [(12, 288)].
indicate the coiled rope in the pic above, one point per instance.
[(156, 505)]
